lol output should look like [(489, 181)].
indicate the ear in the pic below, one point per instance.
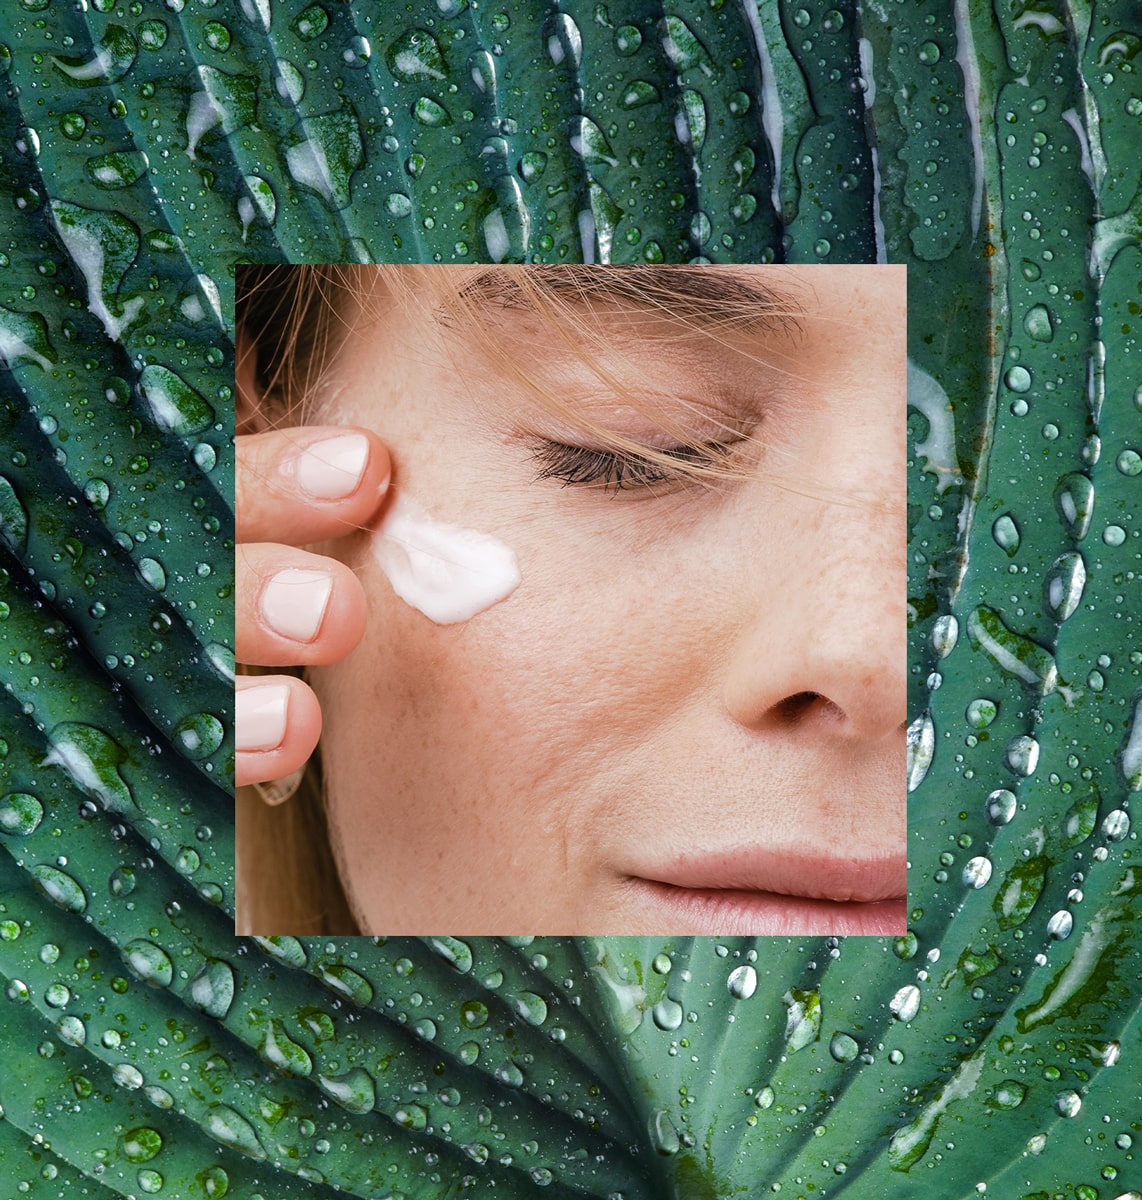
[(249, 411)]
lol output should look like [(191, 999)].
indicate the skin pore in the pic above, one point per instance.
[(689, 716)]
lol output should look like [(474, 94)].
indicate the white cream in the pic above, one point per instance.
[(448, 573)]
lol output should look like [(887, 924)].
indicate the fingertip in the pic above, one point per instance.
[(277, 726)]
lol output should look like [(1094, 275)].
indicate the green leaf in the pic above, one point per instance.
[(145, 152)]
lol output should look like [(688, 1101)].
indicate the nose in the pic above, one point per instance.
[(825, 651)]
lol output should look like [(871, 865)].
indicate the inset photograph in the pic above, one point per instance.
[(571, 600)]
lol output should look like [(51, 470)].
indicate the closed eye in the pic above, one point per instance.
[(614, 471)]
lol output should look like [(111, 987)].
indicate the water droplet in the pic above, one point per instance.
[(346, 982), (230, 1128), (1074, 501), (531, 1007), (667, 1014), (428, 112), (921, 749), (1063, 585), (13, 515), (1038, 323), (905, 1004), (198, 735), (91, 759), (72, 1030), (663, 1135), (628, 39), (640, 93), (980, 713), (357, 52), (1020, 891), (127, 1076), (977, 871), (20, 814), (945, 634), (149, 962), (281, 1051), (1018, 379), (1006, 534), (843, 1047), (59, 887), (1067, 1104), (149, 1181), (121, 882), (456, 953), (311, 22), (563, 39), (285, 949), (1000, 807), (119, 170), (416, 56), (1116, 825), (174, 404), (212, 988), (1114, 535), (1129, 462), (113, 57), (354, 1090), (928, 54), (802, 1018), (1012, 652), (140, 1145), (742, 982), (1130, 753), (1022, 755), (411, 1116), (1009, 1094)]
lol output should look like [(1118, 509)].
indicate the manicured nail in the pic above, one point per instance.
[(332, 469), (293, 603), (260, 718)]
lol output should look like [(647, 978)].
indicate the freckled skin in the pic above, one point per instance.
[(704, 671)]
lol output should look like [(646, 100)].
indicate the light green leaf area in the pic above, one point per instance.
[(147, 149)]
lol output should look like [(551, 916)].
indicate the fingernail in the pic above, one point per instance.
[(332, 469), (293, 603), (260, 716)]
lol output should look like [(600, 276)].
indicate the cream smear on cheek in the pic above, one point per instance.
[(450, 574)]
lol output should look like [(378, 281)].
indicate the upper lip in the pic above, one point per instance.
[(810, 874)]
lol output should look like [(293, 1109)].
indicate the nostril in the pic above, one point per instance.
[(794, 707)]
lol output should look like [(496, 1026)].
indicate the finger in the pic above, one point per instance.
[(276, 726), (309, 483), (295, 607)]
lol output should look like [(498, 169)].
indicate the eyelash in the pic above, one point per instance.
[(616, 471)]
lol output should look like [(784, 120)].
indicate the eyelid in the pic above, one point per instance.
[(617, 470)]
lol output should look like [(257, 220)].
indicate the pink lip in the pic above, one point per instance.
[(772, 892)]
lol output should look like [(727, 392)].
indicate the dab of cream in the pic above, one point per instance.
[(448, 573)]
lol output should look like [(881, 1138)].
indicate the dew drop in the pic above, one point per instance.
[(1006, 534), (1063, 585), (1038, 323), (843, 1047), (742, 982), (1000, 807), (1018, 379), (212, 988), (977, 872), (667, 1014), (354, 1090), (198, 735), (149, 962), (945, 634), (20, 814), (905, 1004), (921, 741), (60, 888)]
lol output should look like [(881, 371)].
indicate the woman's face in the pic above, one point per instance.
[(689, 717)]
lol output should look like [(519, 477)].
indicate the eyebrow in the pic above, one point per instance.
[(698, 296)]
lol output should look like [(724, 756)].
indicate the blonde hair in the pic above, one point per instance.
[(296, 319)]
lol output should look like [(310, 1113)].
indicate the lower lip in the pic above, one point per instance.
[(765, 914)]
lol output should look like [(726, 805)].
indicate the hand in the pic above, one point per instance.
[(294, 487)]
